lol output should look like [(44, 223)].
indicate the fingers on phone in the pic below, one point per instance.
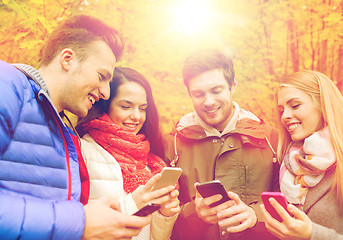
[(152, 181), (165, 190), (215, 198), (234, 197)]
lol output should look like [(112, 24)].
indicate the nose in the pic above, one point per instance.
[(286, 115), (135, 115), (209, 100), (105, 90)]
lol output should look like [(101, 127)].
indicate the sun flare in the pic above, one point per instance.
[(191, 16)]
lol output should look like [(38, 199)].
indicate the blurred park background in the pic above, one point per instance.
[(267, 40)]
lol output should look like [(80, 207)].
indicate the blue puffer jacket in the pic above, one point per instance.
[(39, 172)]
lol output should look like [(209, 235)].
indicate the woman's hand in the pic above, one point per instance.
[(291, 228), (172, 206), (143, 194)]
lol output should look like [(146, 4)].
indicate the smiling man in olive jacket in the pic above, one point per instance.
[(219, 140)]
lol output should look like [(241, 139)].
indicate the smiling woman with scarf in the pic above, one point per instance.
[(310, 113), (122, 147)]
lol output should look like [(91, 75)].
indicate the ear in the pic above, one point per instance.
[(67, 56), (234, 85)]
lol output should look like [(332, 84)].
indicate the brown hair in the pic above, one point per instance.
[(151, 127), (206, 60), (77, 33)]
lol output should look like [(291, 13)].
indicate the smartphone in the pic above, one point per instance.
[(279, 197), (170, 175), (211, 188), (147, 209)]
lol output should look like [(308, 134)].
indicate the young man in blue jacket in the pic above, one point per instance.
[(39, 171)]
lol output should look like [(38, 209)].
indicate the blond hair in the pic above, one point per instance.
[(329, 100)]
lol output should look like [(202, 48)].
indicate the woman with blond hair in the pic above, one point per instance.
[(310, 120)]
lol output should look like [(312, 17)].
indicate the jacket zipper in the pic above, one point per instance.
[(66, 151)]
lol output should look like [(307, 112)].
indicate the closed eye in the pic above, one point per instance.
[(101, 77), (217, 90), (295, 106), (125, 107), (197, 94), (143, 108)]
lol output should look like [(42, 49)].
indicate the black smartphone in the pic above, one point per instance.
[(147, 209), (211, 188)]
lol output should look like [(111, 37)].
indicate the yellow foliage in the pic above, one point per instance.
[(266, 39)]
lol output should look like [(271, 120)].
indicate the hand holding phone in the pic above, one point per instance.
[(147, 209), (170, 175), (211, 188), (279, 197)]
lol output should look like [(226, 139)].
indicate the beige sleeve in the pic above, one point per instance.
[(320, 232), (161, 226)]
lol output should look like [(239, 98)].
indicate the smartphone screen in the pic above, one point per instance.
[(147, 209), (279, 197), (170, 175), (211, 188)]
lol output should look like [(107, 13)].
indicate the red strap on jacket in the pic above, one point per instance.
[(84, 176)]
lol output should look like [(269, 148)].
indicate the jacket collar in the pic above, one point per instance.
[(33, 74), (248, 127), (242, 122), (43, 92)]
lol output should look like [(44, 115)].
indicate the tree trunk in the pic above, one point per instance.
[(294, 45)]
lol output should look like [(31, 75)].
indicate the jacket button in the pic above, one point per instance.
[(231, 145), (223, 233), (215, 140)]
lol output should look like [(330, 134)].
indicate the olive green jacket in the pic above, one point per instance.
[(242, 159)]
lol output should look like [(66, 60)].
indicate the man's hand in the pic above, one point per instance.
[(237, 218), (291, 228), (105, 221), (205, 212)]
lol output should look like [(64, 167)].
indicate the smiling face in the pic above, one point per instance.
[(298, 113), (212, 98), (128, 108), (89, 79)]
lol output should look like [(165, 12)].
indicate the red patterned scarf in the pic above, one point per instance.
[(130, 150)]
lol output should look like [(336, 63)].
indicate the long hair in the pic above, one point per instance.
[(329, 100), (150, 128)]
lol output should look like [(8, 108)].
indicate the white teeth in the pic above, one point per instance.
[(212, 111), (131, 125), (91, 98), (293, 126)]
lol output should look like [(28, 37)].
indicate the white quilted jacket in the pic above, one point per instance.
[(106, 180)]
